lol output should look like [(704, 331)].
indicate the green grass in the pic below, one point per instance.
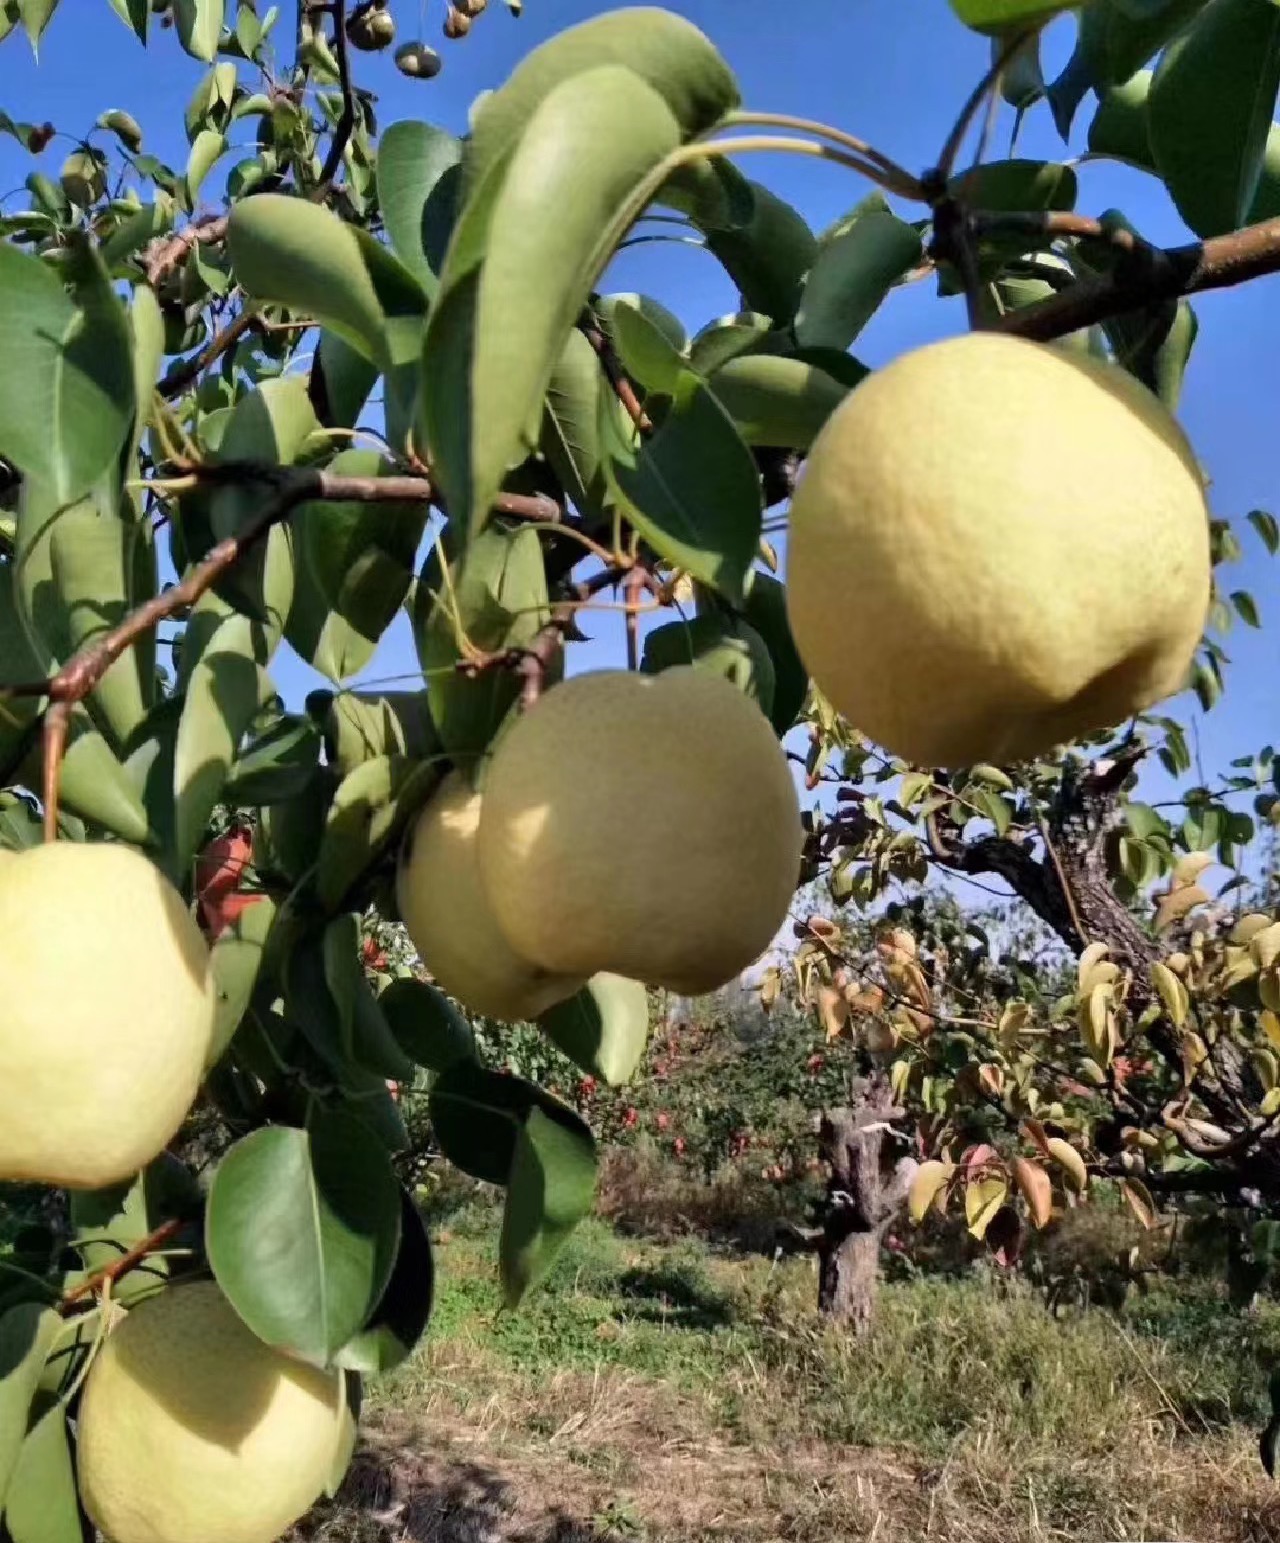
[(971, 1410)]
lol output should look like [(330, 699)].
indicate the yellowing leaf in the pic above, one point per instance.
[(1177, 903), (982, 1199), (1269, 989), (1271, 1026), (1248, 926), (1036, 1189), (1189, 868), (1173, 993), (1265, 946), (928, 1184), (1070, 1161), (1270, 1103), (1266, 1065), (1013, 1019), (833, 1010), (1091, 956), (1140, 1202)]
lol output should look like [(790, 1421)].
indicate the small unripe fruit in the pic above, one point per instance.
[(456, 24), (371, 31), (417, 61)]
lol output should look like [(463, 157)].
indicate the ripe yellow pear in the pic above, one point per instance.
[(451, 923), (647, 826), (108, 1013), (997, 546), (192, 1430)]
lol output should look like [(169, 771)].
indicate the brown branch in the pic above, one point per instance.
[(1218, 263), (347, 122), (182, 375), (600, 340), (940, 175), (118, 1267), (167, 252)]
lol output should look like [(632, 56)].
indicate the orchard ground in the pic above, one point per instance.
[(670, 1391)]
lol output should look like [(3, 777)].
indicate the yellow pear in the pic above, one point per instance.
[(647, 826), (450, 921), (191, 1430), (108, 1013), (997, 546)]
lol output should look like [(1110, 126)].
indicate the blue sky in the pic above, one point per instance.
[(893, 73)]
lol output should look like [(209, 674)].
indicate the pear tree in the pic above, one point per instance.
[(268, 404)]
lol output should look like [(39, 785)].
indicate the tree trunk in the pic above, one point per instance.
[(867, 1185)]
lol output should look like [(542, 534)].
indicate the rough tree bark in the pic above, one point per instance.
[(868, 1183)]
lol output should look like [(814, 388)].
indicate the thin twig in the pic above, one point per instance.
[(347, 122), (594, 332), (167, 252), (941, 174), (118, 1267), (182, 375)]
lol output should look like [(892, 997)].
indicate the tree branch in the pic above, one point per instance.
[(1167, 273), (347, 122), (118, 1267)]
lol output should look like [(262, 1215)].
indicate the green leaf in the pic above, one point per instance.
[(1204, 827), (366, 818), (776, 401), (1136, 30), (851, 278), (373, 1046), (550, 1190), (302, 1232), (134, 14), (361, 726), (295, 253), (417, 191), (427, 1026), (27, 1332), (603, 1028), (500, 593), (769, 258), (277, 764), (477, 1115), (653, 311), (404, 1310), (692, 488), (725, 339), (1210, 108), (235, 961), (42, 1504), (584, 151), (571, 424), (1267, 527), (660, 48), (1144, 821), (1119, 128), (1246, 607), (109, 1222), (347, 379), (766, 609), (722, 644), (94, 785), (209, 148), (66, 393), (226, 689), (199, 25), (1002, 15)]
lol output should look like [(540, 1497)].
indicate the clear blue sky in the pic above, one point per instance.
[(892, 73)]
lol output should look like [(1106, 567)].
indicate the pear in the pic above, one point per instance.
[(645, 826), (109, 1013), (191, 1430), (997, 546), (451, 923)]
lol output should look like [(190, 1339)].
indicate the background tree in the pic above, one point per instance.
[(193, 460)]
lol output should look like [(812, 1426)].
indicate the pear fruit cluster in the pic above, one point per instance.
[(641, 826), (109, 1013), (997, 546), (190, 1428)]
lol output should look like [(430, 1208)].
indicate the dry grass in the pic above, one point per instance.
[(669, 1396)]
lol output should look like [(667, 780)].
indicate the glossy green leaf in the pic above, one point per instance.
[(365, 1029), (691, 488), (426, 1024), (660, 48), (769, 258), (550, 1190), (209, 148), (235, 961), (727, 338), (498, 596), (583, 152), (277, 764), (302, 1231), (366, 818), (571, 424), (94, 785), (42, 1503), (226, 689), (199, 25), (359, 726), (417, 189), (66, 395), (401, 1316), (1132, 34), (1119, 127), (289, 834), (134, 14), (775, 400), (603, 1028), (476, 1115), (347, 379), (1210, 108), (722, 644), (293, 252), (1267, 527), (1002, 15), (766, 610), (851, 277), (27, 1332)]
